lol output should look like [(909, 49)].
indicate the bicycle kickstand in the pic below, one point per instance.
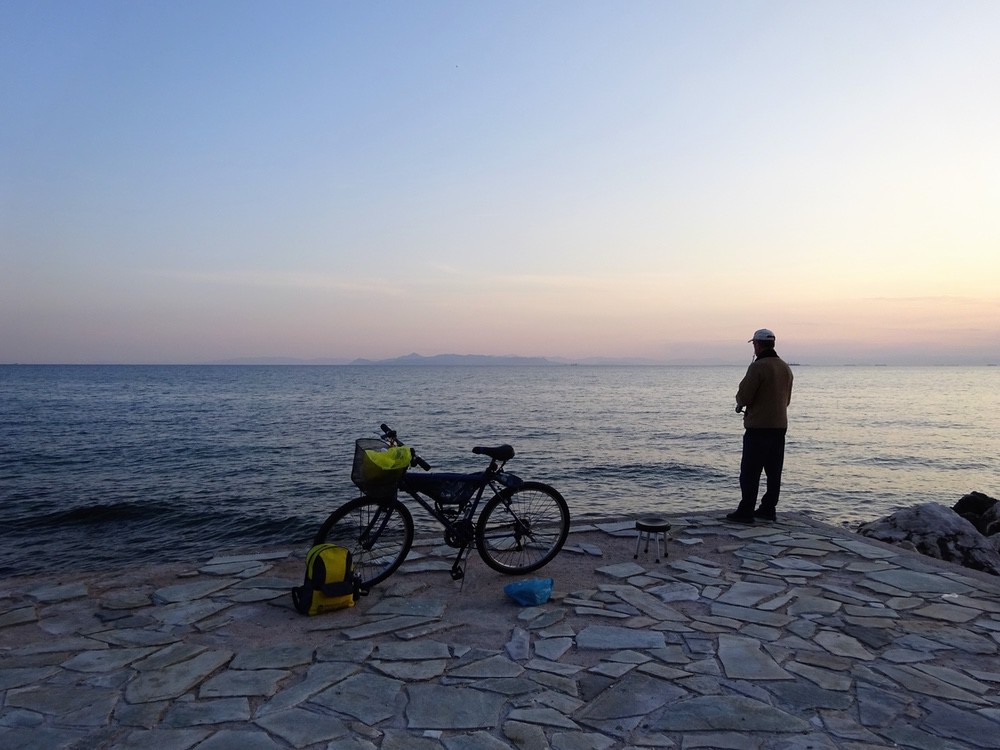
[(457, 571)]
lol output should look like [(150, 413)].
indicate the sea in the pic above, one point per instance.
[(103, 467)]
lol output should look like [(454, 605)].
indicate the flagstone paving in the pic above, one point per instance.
[(792, 636)]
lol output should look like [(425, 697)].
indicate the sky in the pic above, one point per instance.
[(188, 181)]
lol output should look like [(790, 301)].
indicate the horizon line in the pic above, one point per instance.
[(484, 361)]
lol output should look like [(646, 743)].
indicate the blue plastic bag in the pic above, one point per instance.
[(530, 593)]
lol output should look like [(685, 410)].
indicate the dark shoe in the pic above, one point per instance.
[(740, 518), (764, 515)]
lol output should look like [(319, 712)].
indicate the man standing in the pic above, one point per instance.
[(764, 392)]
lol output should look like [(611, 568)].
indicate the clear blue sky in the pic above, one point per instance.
[(194, 181)]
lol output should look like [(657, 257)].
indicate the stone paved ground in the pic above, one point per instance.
[(795, 636)]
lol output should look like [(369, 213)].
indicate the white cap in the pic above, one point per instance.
[(762, 334)]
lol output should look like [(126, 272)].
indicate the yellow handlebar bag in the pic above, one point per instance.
[(377, 468), (390, 460)]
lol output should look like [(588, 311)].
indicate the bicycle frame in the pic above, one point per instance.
[(466, 502), (458, 524)]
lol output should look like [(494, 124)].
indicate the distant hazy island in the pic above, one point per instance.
[(439, 360), (458, 359)]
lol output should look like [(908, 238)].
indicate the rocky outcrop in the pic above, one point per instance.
[(981, 510), (941, 532)]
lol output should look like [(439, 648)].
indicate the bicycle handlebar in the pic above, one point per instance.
[(390, 435)]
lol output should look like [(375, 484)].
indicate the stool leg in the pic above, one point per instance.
[(658, 546), (638, 541)]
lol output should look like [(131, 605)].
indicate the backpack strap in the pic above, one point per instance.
[(343, 588), (302, 597)]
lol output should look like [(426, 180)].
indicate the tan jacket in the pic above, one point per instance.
[(765, 392)]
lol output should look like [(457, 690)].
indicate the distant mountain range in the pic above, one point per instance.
[(458, 359), (406, 360), (468, 360)]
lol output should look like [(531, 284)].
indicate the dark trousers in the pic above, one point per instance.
[(763, 450)]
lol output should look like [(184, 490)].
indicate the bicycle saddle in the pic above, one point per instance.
[(500, 453)]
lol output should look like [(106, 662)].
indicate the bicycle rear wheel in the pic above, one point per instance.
[(378, 533), (522, 528)]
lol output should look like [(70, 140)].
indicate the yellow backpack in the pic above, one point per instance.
[(329, 583)]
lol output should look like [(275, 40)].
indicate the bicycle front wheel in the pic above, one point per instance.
[(522, 528), (378, 533)]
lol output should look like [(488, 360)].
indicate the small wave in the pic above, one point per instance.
[(912, 462), (94, 514), (900, 462), (104, 535), (644, 472)]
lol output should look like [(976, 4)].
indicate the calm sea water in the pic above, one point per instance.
[(105, 466)]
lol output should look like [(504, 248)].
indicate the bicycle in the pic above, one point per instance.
[(521, 528)]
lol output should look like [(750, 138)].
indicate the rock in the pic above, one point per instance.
[(975, 503), (994, 542), (990, 521), (974, 507), (936, 531)]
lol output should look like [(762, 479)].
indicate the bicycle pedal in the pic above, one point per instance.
[(457, 574)]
